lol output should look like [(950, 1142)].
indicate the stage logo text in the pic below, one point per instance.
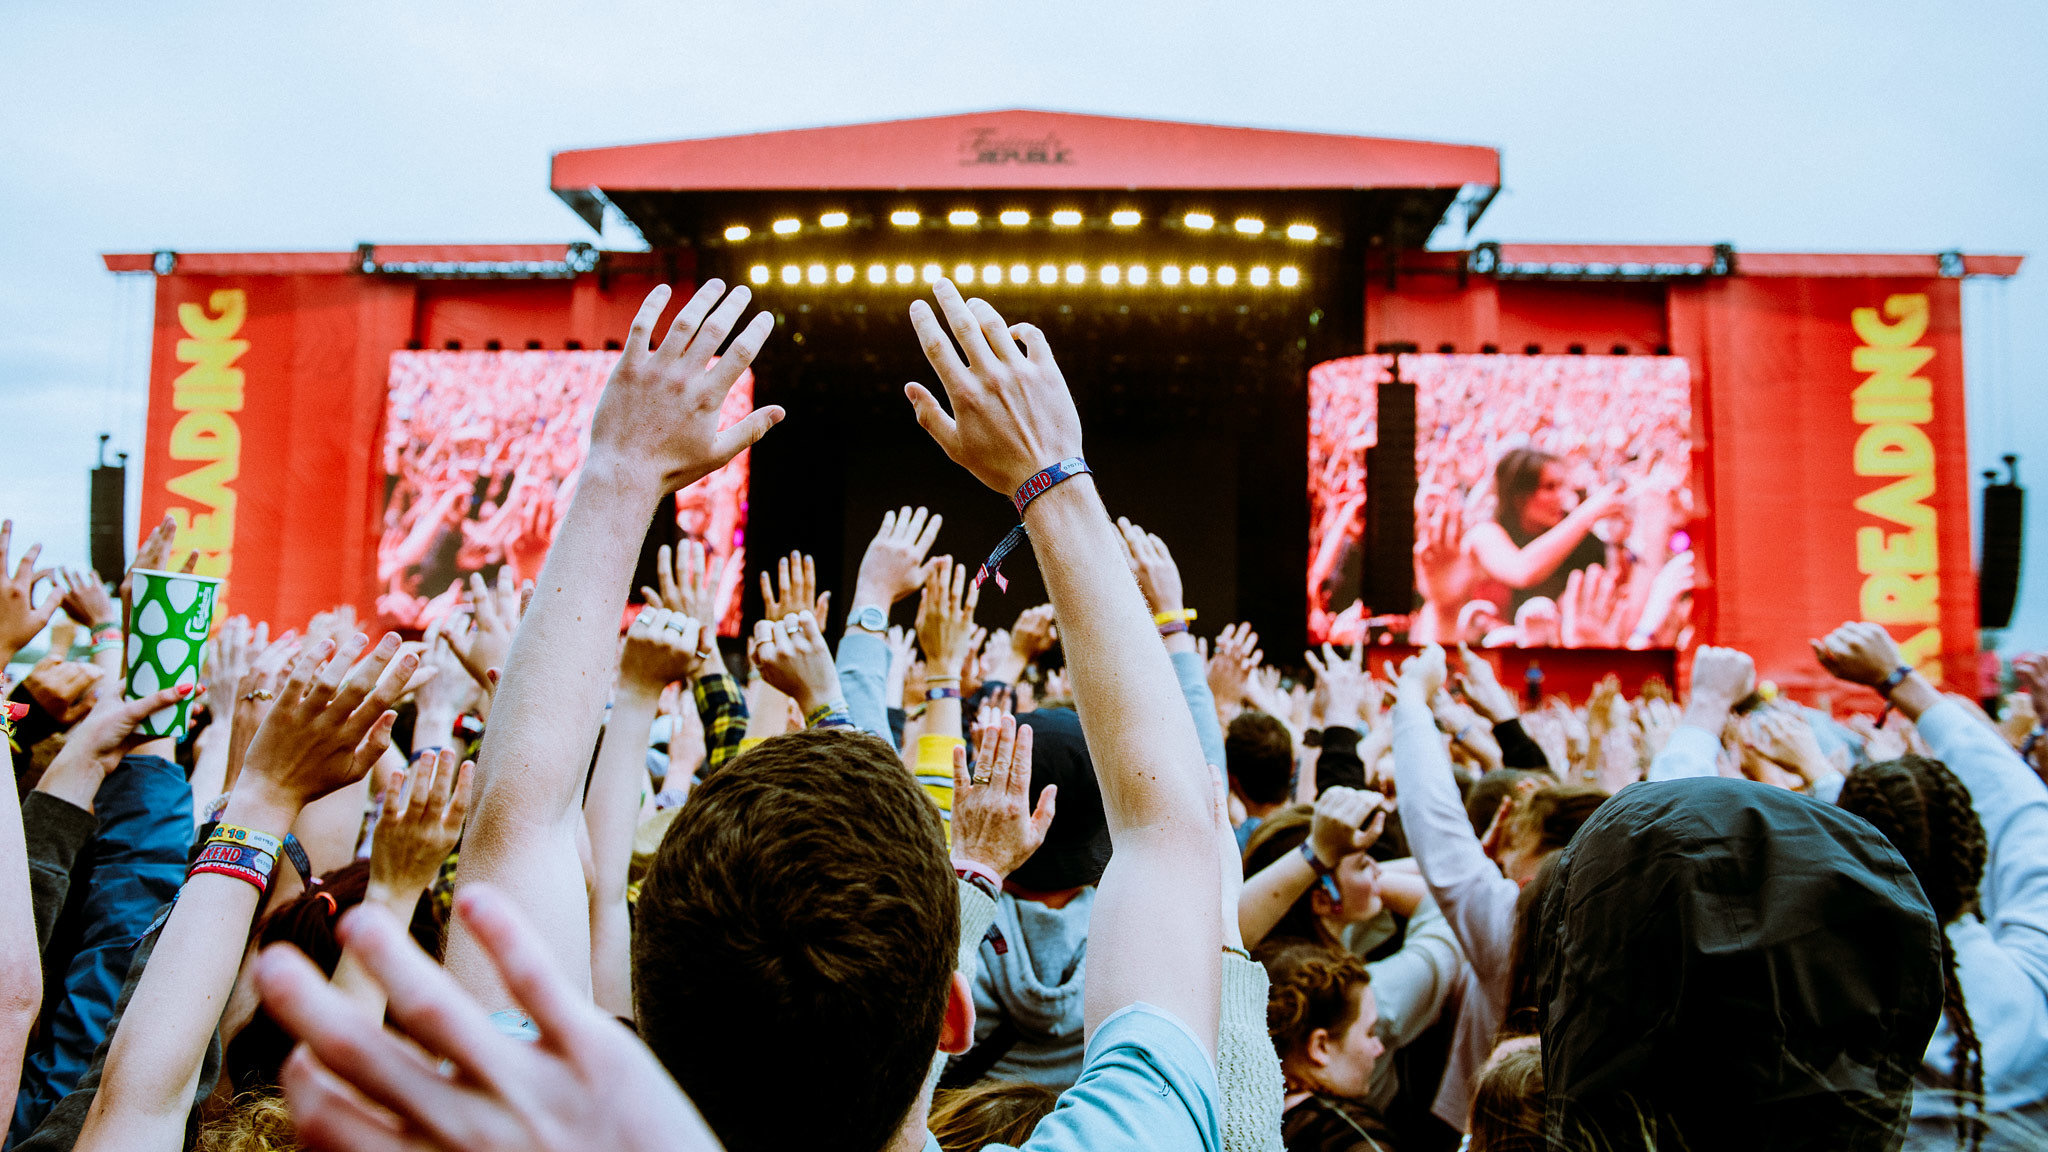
[(1898, 560), (207, 395)]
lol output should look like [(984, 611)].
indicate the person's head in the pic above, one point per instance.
[(1532, 490), (1348, 895), (1484, 798), (1076, 847), (989, 1112), (1507, 1099), (1545, 824), (256, 1045), (1726, 964), (793, 959), (1925, 811), (1321, 1014), (1259, 754)]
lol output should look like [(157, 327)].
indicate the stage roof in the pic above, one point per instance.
[(1020, 148)]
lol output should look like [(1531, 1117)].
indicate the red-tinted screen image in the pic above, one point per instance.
[(1552, 504), (481, 455)]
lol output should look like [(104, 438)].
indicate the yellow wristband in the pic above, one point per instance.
[(1183, 616)]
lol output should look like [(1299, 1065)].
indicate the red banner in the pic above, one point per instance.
[(1840, 470)]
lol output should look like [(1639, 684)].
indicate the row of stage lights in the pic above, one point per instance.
[(1112, 275), (1018, 218)]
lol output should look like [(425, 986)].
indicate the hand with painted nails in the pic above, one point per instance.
[(659, 411), (95, 746), (321, 732), (1012, 413)]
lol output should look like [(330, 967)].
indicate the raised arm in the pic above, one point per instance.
[(330, 724), (1157, 933), (1159, 579), (1533, 563), (1721, 678), (654, 431), (893, 567)]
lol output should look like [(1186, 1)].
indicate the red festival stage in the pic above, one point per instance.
[(1343, 432)]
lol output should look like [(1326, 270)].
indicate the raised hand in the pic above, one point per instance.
[(1723, 677), (154, 556), (63, 688), (1034, 633), (1483, 688), (330, 722), (1422, 674), (894, 564), (795, 661), (355, 1084), (85, 599), (443, 687), (1012, 413), (1340, 826), (994, 823), (424, 806), (1787, 740), (494, 612), (227, 658), (1672, 583), (662, 647), (688, 584), (1236, 656), (254, 694), (1860, 653), (2031, 674), (797, 575), (945, 617), (1440, 551), (21, 616), (658, 414), (1590, 608), (1343, 685), (94, 746), (1151, 562)]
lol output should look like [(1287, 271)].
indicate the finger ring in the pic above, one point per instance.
[(259, 694), (979, 778)]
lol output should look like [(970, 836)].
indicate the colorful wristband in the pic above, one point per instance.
[(947, 693), (254, 879), (1041, 481), (1172, 628), (832, 715), (1178, 616), (981, 876), (235, 834)]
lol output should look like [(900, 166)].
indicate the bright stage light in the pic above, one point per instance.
[(843, 273), (1124, 219), (991, 273), (1076, 274), (877, 274), (1226, 275), (931, 273), (1066, 218), (1169, 275), (904, 219), (1261, 276), (1020, 274), (1048, 274), (787, 227), (1111, 274), (1250, 225), (963, 274), (791, 274), (1301, 231), (1198, 275), (1015, 218), (1199, 221), (738, 232), (815, 273), (1289, 277), (1136, 276), (832, 220), (963, 218), (905, 273), (758, 273)]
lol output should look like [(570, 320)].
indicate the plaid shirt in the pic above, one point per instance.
[(723, 709)]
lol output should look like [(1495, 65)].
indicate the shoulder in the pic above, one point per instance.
[(1146, 1083)]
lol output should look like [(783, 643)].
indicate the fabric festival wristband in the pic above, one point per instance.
[(1173, 628), (832, 715), (949, 693), (240, 855), (254, 879), (1892, 681), (1041, 482), (102, 633), (264, 842), (1181, 616), (981, 876), (302, 863)]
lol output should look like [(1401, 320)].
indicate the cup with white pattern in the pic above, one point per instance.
[(169, 617)]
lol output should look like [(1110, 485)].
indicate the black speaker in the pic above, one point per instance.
[(109, 515), (1998, 567), (1388, 579)]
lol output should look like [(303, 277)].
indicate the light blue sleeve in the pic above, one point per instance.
[(1146, 1085), (1194, 687), (863, 664), (1690, 752)]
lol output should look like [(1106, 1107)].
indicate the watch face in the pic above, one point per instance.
[(873, 619)]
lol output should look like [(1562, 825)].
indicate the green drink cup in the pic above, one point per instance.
[(168, 620)]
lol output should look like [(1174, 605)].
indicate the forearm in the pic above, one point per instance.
[(863, 663), (210, 766), (1269, 894), (1533, 563), (153, 1063), (1432, 815), (434, 728), (21, 970), (1194, 688), (610, 810)]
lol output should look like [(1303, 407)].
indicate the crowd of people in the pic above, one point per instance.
[(1082, 881)]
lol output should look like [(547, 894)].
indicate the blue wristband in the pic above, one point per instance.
[(1041, 481)]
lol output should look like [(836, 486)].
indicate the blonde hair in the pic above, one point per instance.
[(254, 1122)]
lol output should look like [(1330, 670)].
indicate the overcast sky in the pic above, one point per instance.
[(1809, 126)]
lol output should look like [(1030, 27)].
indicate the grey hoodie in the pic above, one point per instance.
[(1032, 963)]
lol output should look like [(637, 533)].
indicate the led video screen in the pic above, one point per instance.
[(481, 455), (1553, 501)]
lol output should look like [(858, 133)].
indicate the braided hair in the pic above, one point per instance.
[(1925, 811)]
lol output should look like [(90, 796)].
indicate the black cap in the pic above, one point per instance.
[(1076, 847)]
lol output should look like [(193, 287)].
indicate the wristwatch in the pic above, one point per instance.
[(870, 618)]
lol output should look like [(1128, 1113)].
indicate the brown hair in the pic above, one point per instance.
[(1554, 815), (801, 905), (1925, 811), (1277, 835), (1507, 1102), (1312, 986), (1515, 479), (1258, 752), (990, 1112)]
